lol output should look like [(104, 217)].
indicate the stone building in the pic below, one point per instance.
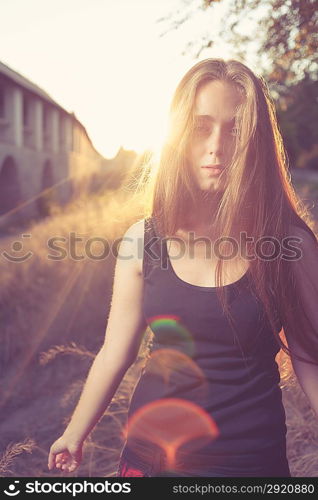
[(45, 152)]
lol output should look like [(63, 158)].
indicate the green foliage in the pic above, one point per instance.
[(297, 113), (286, 33)]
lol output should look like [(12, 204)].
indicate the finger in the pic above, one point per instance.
[(51, 460), (60, 457)]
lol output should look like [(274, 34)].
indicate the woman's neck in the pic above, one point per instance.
[(201, 218)]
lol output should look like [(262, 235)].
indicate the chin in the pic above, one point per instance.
[(212, 188)]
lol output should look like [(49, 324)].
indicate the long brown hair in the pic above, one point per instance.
[(258, 199)]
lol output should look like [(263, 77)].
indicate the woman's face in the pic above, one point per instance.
[(213, 139)]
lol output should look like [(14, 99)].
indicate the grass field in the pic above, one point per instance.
[(53, 317)]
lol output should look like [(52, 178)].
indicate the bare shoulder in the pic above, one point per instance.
[(136, 229), (133, 243)]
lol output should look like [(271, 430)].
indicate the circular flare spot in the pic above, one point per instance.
[(178, 373), (168, 331), (168, 424)]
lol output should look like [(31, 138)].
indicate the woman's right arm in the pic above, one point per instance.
[(125, 328)]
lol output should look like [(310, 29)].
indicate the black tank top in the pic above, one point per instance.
[(213, 388)]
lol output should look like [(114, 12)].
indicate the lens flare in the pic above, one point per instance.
[(168, 424), (168, 330), (178, 372)]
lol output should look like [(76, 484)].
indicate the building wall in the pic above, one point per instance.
[(45, 145)]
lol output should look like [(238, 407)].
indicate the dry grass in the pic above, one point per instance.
[(12, 451), (54, 315), (47, 356)]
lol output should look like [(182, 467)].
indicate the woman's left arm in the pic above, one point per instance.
[(306, 276)]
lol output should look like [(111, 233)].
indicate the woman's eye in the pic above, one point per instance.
[(234, 131), (201, 129)]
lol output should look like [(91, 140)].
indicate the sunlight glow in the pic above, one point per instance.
[(108, 64)]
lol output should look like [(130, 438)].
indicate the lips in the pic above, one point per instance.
[(213, 170), (213, 166)]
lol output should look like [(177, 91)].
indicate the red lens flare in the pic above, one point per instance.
[(170, 423)]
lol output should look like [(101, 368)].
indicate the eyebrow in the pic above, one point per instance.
[(210, 118)]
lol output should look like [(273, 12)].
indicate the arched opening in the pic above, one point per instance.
[(48, 192), (10, 194)]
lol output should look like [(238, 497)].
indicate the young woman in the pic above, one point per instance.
[(229, 261)]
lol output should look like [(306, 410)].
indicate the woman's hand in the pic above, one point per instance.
[(65, 454)]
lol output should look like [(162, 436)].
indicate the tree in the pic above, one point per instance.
[(286, 33), (297, 113)]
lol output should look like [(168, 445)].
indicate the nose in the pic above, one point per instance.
[(215, 143)]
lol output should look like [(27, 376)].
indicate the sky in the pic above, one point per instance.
[(105, 61)]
